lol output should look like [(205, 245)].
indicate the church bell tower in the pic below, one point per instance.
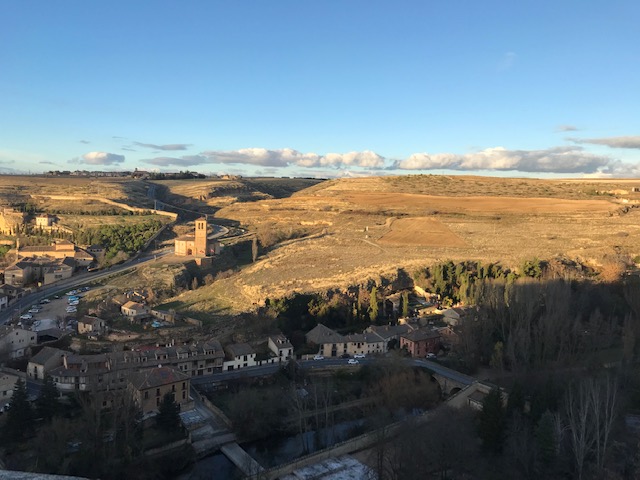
[(200, 243)]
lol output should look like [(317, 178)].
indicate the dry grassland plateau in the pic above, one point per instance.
[(360, 229)]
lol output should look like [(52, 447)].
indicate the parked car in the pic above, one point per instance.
[(74, 303), (72, 309), (45, 300), (359, 355), (34, 310), (26, 316), (345, 355), (318, 357), (353, 361), (431, 356)]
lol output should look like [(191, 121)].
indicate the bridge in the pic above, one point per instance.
[(450, 381)]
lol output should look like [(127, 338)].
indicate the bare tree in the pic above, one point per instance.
[(577, 410), (591, 410), (603, 395)]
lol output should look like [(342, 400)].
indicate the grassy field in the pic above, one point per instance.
[(369, 228)]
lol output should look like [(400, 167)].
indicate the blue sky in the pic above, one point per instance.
[(322, 88)]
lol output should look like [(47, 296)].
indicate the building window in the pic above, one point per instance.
[(157, 392), (146, 395), (157, 402), (173, 388), (184, 395), (184, 385)]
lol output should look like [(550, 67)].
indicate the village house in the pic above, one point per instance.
[(14, 293), (59, 249), (390, 332), (16, 342), (164, 315), (86, 373), (60, 270), (98, 251), (239, 355), (332, 344), (44, 361), (365, 343), (39, 269), (94, 325), (110, 371), (135, 311), (45, 220), (453, 316), (420, 342), (19, 274), (151, 385), (449, 335), (281, 347)]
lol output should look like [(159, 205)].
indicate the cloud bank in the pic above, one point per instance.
[(551, 160), (560, 160), (275, 158), (632, 141)]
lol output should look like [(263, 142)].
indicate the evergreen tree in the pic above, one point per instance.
[(405, 304), (545, 442), (48, 403), (19, 422), (168, 417), (373, 305), (492, 422)]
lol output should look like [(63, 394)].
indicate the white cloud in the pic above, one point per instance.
[(566, 128), (632, 141), (287, 156), (101, 158), (170, 147), (551, 160)]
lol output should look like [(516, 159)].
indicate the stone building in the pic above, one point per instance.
[(197, 245)]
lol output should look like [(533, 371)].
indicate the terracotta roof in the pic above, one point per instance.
[(156, 377)]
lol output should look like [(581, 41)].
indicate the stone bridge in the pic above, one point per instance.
[(450, 381)]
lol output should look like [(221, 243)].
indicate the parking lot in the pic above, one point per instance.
[(51, 314)]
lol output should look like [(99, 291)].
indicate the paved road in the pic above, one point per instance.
[(265, 370)]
